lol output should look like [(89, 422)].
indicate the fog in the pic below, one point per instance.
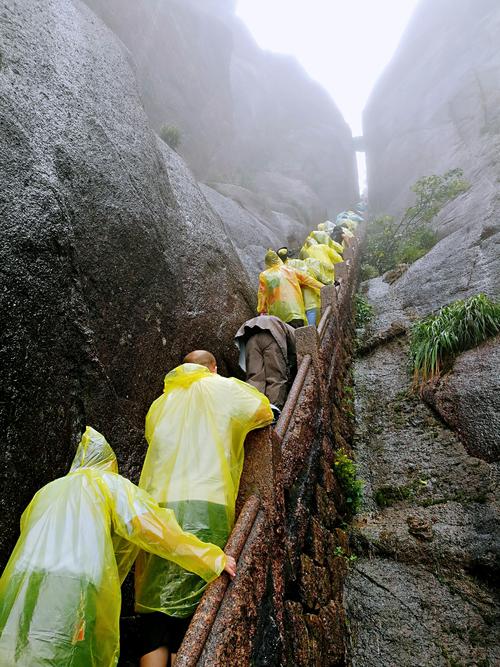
[(344, 45)]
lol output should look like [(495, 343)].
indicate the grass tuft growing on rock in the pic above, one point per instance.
[(346, 472), (171, 135), (364, 311), (438, 339)]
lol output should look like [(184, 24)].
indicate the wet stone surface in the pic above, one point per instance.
[(422, 590)]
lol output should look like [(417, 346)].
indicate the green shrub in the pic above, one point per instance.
[(171, 135), (364, 311), (418, 244), (367, 271), (391, 242), (438, 339), (346, 470), (339, 552)]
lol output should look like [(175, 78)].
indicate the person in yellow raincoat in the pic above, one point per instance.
[(343, 235), (60, 591), (327, 256), (195, 432), (327, 226), (321, 236), (280, 291), (312, 298)]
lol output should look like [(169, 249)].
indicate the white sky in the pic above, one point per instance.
[(342, 44)]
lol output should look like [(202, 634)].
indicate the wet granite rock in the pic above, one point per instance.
[(436, 105), (422, 591), (315, 586), (113, 264), (468, 399), (248, 118), (252, 226), (407, 615), (299, 637)]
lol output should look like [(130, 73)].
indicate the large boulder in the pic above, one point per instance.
[(468, 399), (253, 226), (423, 591), (113, 263), (247, 117)]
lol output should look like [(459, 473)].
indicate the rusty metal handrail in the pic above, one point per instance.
[(293, 397), (204, 617), (324, 321)]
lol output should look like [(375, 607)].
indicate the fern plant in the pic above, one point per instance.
[(438, 339)]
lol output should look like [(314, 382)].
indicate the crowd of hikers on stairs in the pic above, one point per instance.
[(60, 594)]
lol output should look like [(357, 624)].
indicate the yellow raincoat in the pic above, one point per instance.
[(327, 226), (327, 256), (324, 238), (60, 591), (280, 290), (313, 268), (195, 431)]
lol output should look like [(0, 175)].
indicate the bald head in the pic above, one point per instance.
[(203, 358)]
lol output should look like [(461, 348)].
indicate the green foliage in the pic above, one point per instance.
[(438, 339), (171, 135), (391, 242), (433, 192), (345, 469), (339, 552), (385, 496), (367, 271), (364, 311), (419, 242)]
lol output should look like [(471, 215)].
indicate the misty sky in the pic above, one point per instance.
[(343, 44)]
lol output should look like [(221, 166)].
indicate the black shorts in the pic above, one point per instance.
[(157, 629)]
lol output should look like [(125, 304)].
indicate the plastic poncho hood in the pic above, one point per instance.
[(326, 226), (94, 452), (272, 258)]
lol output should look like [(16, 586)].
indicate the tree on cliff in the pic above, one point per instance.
[(391, 242)]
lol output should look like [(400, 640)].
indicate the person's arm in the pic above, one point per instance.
[(262, 297), (138, 519), (250, 406), (334, 256), (336, 246), (308, 281)]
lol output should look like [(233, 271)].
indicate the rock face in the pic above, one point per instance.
[(113, 264), (423, 592), (430, 113), (436, 108), (468, 399), (436, 105), (248, 119)]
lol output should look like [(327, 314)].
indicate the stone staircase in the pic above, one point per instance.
[(285, 605)]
